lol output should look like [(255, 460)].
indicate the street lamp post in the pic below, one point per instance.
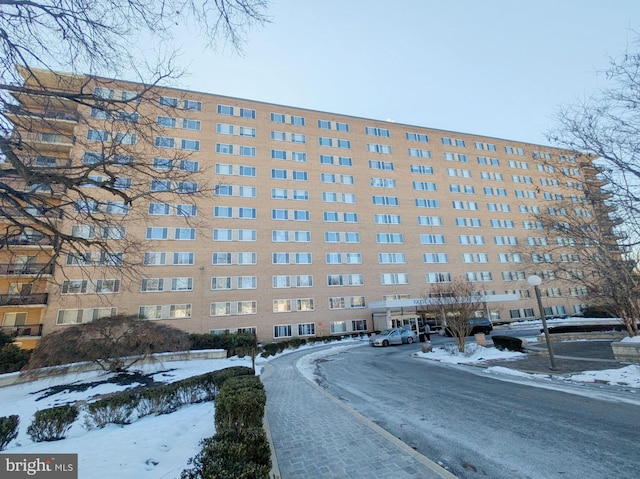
[(535, 281)]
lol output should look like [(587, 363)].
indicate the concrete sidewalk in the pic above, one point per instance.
[(316, 436)]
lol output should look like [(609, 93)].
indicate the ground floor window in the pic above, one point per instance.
[(282, 331), (359, 325), (338, 327), (247, 330), (521, 313), (307, 329), (98, 313), (577, 308)]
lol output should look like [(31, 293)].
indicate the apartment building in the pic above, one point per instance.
[(286, 221)]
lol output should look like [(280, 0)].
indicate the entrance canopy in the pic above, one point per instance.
[(417, 302), (409, 308)]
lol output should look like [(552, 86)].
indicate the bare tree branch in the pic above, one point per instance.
[(76, 209)]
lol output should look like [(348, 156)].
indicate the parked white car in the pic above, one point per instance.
[(393, 336)]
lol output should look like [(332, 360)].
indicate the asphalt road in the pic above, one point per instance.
[(477, 426)]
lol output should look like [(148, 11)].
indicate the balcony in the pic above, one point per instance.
[(24, 299), (41, 162), (44, 161), (48, 114), (22, 330), (51, 213), (11, 269), (25, 240), (47, 141), (48, 101)]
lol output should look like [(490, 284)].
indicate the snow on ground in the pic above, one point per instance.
[(534, 323), (158, 447), (628, 376), (154, 447), (472, 354)]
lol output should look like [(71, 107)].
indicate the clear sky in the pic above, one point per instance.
[(499, 68)]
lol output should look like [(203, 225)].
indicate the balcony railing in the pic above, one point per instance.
[(51, 138), (21, 240), (16, 212), (22, 330), (30, 268), (47, 114), (23, 299), (44, 161)]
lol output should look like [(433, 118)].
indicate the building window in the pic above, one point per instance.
[(107, 286), (150, 312), (191, 124), (183, 258), (394, 278), (149, 285), (166, 121), (338, 327), (104, 93), (71, 287), (225, 110), (69, 316), (191, 145), (282, 330), (179, 311), (164, 142), (372, 131), (168, 101), (376, 148), (220, 309), (438, 277), (191, 105), (417, 137), (97, 135), (306, 329), (185, 233)]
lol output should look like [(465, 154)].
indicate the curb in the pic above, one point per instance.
[(433, 466), (267, 370)]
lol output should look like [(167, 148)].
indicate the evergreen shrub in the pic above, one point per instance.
[(52, 424), (8, 430)]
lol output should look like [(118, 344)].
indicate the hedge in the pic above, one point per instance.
[(52, 424), (240, 448), (8, 430), (228, 454), (240, 404)]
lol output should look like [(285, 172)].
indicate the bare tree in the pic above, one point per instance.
[(605, 129), (115, 343), (41, 186), (586, 256), (457, 302)]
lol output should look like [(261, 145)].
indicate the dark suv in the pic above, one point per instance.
[(478, 325)]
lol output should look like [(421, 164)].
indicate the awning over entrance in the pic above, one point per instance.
[(417, 302), (408, 309)]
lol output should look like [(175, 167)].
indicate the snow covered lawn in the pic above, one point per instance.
[(154, 447)]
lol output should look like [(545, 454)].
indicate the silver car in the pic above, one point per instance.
[(393, 336)]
